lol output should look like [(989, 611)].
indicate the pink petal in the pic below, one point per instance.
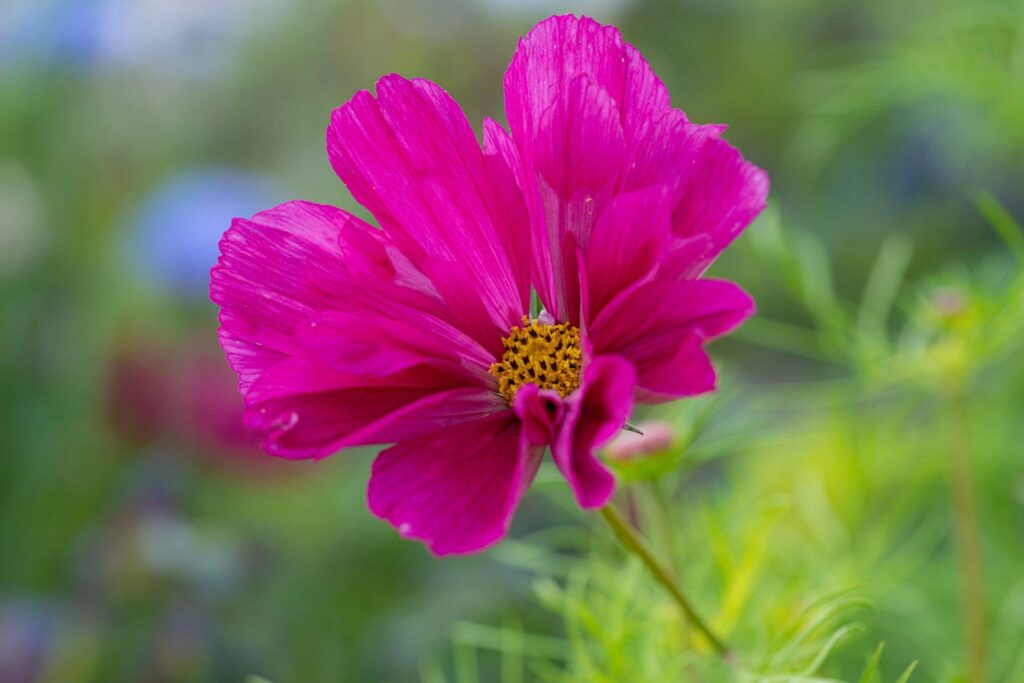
[(505, 170), (313, 281), (592, 121), (410, 156), (457, 489), (661, 326), (685, 371), (626, 246), (593, 415), (579, 144), (336, 336)]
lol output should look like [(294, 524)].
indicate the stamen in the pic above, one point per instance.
[(546, 355)]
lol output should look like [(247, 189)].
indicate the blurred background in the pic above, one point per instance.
[(809, 507)]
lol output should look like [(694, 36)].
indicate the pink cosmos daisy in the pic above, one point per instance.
[(602, 197)]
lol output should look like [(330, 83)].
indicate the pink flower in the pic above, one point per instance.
[(603, 198)]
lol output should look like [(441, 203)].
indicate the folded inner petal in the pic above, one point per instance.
[(540, 411)]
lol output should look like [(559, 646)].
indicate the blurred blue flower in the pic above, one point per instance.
[(193, 38), (174, 233), (50, 31)]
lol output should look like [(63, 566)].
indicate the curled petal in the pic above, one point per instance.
[(593, 415), (540, 411)]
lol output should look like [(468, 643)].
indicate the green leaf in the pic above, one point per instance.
[(906, 674), (872, 668), (1001, 220)]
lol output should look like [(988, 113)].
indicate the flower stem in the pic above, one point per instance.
[(632, 541), (968, 540)]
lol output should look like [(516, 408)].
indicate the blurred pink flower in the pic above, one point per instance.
[(604, 198), (656, 438), (180, 393)]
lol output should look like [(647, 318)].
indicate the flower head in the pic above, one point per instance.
[(601, 197)]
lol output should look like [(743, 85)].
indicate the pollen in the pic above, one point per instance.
[(546, 355)]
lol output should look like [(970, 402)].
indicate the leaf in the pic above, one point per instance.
[(881, 289), (989, 206), (906, 674), (872, 668)]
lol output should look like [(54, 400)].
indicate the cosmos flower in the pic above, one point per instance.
[(604, 199)]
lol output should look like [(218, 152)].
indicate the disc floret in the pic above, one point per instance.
[(542, 354)]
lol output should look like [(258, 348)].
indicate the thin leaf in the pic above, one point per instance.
[(882, 286), (906, 674), (871, 670), (1001, 220)]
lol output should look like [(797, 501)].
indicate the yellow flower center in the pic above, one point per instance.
[(546, 355)]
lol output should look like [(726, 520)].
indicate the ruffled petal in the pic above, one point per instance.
[(593, 414), (410, 156), (457, 489), (722, 196), (715, 192), (275, 270), (661, 326), (579, 144), (306, 280), (556, 52)]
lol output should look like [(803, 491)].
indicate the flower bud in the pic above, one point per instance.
[(656, 437)]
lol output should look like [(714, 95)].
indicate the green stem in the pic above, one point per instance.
[(632, 541), (968, 540)]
